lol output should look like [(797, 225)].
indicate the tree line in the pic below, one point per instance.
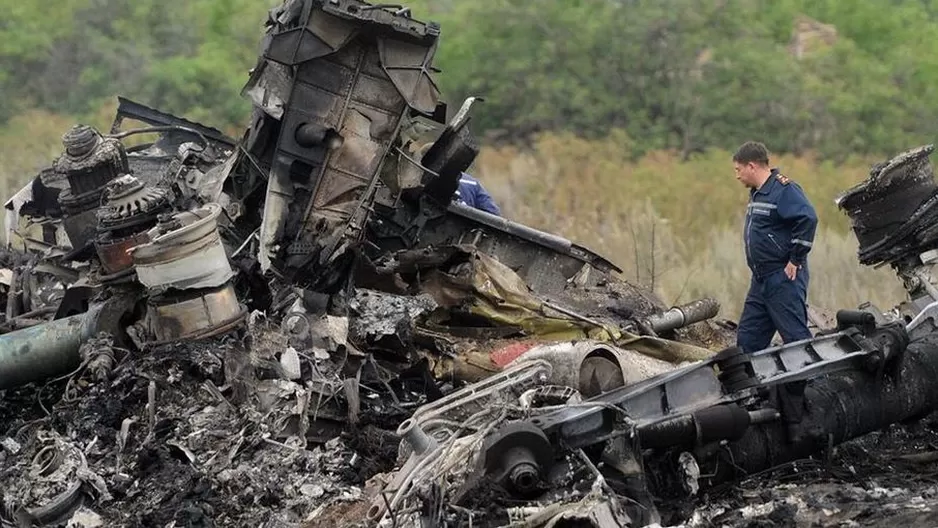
[(832, 77)]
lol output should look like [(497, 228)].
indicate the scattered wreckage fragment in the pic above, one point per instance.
[(365, 198), (187, 274), (343, 183), (721, 418), (52, 349), (689, 427), (893, 215), (351, 78)]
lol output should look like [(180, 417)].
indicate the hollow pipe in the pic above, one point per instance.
[(686, 314), (51, 349)]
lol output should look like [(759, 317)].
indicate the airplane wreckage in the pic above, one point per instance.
[(207, 318)]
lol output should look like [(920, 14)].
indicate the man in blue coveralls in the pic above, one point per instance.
[(779, 232), (471, 193)]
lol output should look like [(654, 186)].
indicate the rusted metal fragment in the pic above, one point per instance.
[(193, 315), (115, 254)]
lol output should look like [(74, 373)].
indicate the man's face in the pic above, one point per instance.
[(745, 173)]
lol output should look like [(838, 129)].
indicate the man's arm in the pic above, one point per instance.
[(797, 211), (485, 202)]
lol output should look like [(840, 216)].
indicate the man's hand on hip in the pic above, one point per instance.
[(791, 270)]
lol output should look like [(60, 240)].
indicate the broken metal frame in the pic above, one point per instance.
[(701, 405), (127, 108)]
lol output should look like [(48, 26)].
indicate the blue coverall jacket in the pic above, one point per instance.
[(780, 227), (471, 193)]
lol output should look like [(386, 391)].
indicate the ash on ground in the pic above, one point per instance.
[(160, 443), (885, 479)]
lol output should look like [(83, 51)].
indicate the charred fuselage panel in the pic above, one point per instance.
[(355, 72)]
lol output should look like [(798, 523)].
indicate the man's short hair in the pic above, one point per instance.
[(752, 152)]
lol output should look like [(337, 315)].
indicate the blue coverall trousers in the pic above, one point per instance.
[(774, 302)]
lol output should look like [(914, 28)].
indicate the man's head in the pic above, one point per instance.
[(751, 162)]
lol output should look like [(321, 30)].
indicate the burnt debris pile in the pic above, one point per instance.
[(301, 327)]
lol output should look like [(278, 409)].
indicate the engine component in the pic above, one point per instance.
[(130, 209), (894, 215), (881, 208), (185, 252), (431, 425), (90, 161), (193, 314), (516, 457), (129, 203)]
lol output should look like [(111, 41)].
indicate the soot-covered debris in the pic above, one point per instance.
[(886, 479), (159, 444)]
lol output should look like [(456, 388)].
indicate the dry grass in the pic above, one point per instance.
[(677, 225), (670, 224)]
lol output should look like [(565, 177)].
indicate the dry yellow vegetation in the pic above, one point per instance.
[(677, 225), (671, 224)]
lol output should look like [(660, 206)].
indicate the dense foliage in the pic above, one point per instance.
[(683, 74)]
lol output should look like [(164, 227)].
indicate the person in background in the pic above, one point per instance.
[(778, 234), (472, 193)]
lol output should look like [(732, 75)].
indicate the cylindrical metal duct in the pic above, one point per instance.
[(51, 349), (44, 351), (684, 315)]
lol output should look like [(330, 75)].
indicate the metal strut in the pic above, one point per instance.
[(718, 399)]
